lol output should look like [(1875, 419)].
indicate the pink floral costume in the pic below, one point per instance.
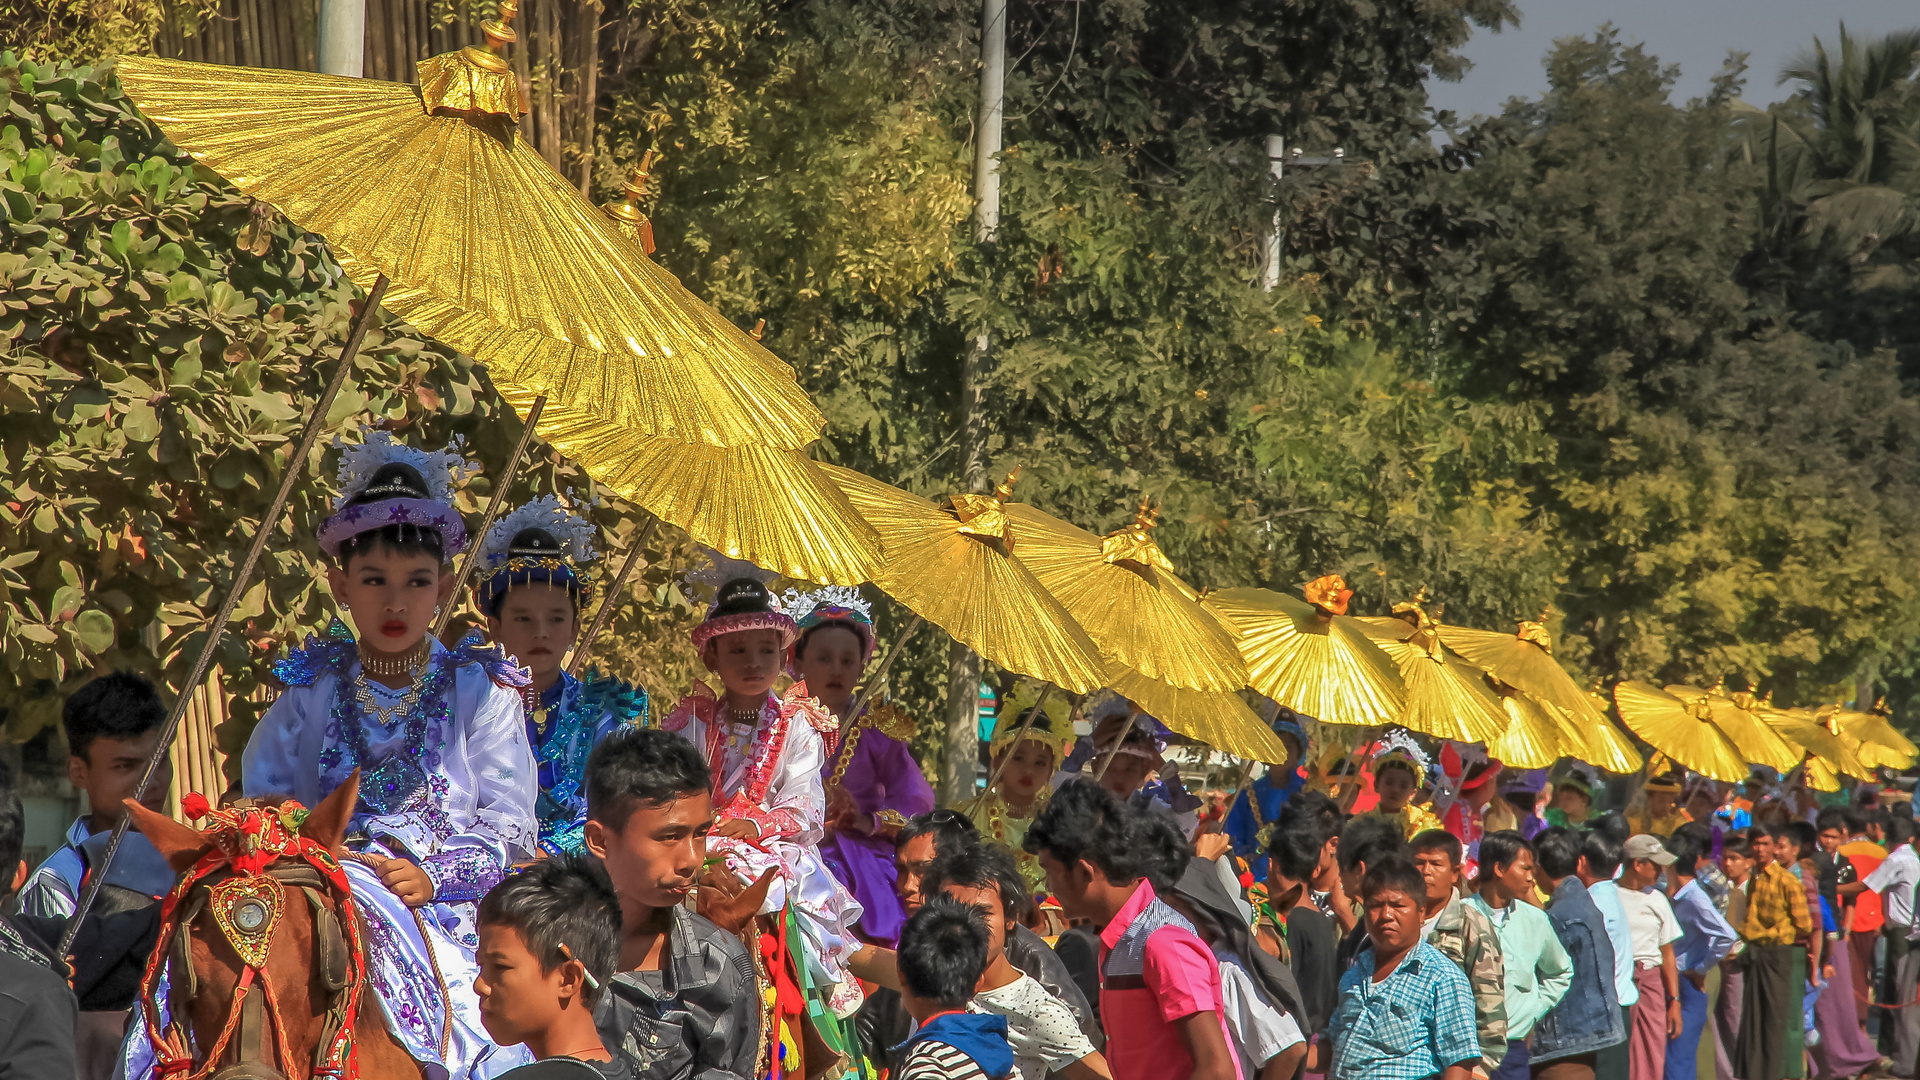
[(771, 777)]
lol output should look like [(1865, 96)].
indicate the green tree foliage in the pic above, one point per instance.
[(161, 339)]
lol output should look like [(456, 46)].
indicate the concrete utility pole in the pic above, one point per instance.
[(343, 37), (962, 747), (1277, 160)]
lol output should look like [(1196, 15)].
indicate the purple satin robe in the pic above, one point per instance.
[(881, 775)]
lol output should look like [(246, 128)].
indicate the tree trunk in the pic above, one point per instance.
[(960, 756)]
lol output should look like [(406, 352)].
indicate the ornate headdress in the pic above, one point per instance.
[(1054, 725), (384, 482), (540, 543), (1398, 747), (741, 601), (834, 604)]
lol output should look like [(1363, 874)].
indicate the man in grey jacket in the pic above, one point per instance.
[(684, 1004)]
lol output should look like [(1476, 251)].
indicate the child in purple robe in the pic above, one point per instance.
[(873, 784)]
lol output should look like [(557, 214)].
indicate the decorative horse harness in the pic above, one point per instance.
[(257, 858)]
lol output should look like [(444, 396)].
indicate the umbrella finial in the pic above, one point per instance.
[(1005, 491), (500, 32), (759, 330), (985, 516), (1330, 594), (1134, 543), (475, 82), (626, 212), (1536, 632)]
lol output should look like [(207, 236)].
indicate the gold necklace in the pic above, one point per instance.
[(385, 714), (382, 665)]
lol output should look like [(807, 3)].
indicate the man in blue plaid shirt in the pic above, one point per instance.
[(1405, 1011)]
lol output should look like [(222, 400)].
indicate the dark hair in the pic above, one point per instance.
[(1311, 811), (566, 901), (1556, 852), (1878, 815), (121, 705), (642, 765), (1737, 845), (980, 866), (1499, 849), (1394, 873), (1805, 838), (943, 951), (951, 831), (1295, 853), (394, 480), (1686, 845), (1612, 824), (1436, 840), (13, 829), (1899, 831), (1368, 839), (1840, 818), (742, 596), (1084, 821), (1165, 846), (1759, 829), (1397, 763), (1603, 853), (541, 564), (1522, 802)]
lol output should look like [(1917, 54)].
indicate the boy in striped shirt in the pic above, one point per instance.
[(943, 951)]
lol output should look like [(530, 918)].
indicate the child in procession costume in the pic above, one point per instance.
[(536, 562), (766, 753), (1250, 822), (1026, 768), (873, 785), (447, 780), (1399, 771)]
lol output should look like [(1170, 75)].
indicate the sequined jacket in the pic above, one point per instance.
[(563, 734)]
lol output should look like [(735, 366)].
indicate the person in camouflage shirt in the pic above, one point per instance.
[(1465, 936)]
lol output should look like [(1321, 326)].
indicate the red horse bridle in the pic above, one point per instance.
[(246, 894)]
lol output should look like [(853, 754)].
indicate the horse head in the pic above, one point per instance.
[(263, 947)]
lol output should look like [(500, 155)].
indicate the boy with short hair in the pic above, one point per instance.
[(1777, 931), (1160, 994), (112, 726), (1405, 1011), (943, 952), (684, 1002), (549, 940), (1600, 856), (1464, 935), (1653, 930), (1537, 968), (1567, 1041)]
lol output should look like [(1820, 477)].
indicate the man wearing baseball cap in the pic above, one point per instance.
[(1653, 929)]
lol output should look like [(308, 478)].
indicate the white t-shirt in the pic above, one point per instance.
[(1650, 923), (1259, 1030), (1040, 1027), (1894, 880)]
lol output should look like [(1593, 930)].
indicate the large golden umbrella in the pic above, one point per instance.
[(1447, 697), (1608, 747), (1682, 729), (1537, 734), (1312, 657), (955, 564), (1123, 591), (1880, 743), (488, 249), (1738, 718), (1828, 753), (1524, 660), (1216, 718)]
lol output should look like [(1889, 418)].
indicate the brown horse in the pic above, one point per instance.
[(279, 1031)]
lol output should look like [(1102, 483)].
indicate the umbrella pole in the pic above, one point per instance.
[(605, 614), (296, 466), (1025, 726), (494, 506), (858, 710), (1106, 759)]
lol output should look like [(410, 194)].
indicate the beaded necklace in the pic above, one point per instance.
[(425, 713)]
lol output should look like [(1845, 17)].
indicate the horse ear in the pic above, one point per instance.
[(181, 845), (326, 825)]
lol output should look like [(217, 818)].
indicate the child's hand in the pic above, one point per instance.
[(1211, 846), (739, 828), (407, 881)]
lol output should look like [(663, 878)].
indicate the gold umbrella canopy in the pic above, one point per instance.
[(1123, 591), (1524, 660), (1681, 729), (1879, 742), (1219, 719), (1609, 749), (1537, 734), (1830, 754), (1446, 697), (954, 565), (1311, 656), (487, 248), (1738, 719)]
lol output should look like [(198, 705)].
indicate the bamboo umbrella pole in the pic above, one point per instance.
[(1026, 725), (858, 710), (494, 506), (216, 628), (600, 619)]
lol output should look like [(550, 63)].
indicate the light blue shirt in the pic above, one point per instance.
[(1412, 1025), (1606, 897), (1705, 937)]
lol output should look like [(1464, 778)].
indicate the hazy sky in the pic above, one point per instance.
[(1695, 34)]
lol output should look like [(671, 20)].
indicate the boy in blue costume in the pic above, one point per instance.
[(536, 563), (447, 780), (1250, 822)]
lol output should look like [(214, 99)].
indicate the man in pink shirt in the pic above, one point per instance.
[(1159, 983)]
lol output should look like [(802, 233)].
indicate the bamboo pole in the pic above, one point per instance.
[(600, 619), (494, 507), (1026, 725)]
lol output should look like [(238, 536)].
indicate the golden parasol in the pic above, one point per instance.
[(1216, 718), (1310, 656), (955, 565), (1446, 697), (1608, 747), (1682, 729), (1123, 591), (1879, 743), (488, 249), (1828, 753), (1537, 734), (1524, 660), (1737, 718)]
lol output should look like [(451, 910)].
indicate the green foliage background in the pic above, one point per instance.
[(1646, 361)]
